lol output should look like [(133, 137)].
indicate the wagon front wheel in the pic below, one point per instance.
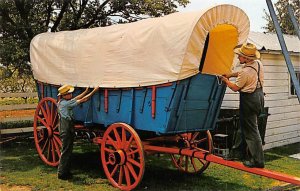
[(122, 156), (201, 141), (46, 132)]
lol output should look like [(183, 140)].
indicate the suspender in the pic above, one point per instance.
[(257, 73)]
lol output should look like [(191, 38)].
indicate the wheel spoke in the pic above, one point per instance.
[(128, 143), (118, 139), (55, 127), (120, 176), (186, 163), (43, 122), (114, 170), (123, 136), (195, 136), (133, 152), (55, 118), (49, 115), (200, 141), (179, 161), (49, 147), (193, 164), (46, 142), (201, 161), (56, 147), (55, 122), (112, 142), (40, 139), (127, 175), (134, 162), (132, 171), (108, 150), (58, 140), (53, 151), (44, 113)]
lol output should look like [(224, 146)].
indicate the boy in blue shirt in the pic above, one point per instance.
[(66, 127)]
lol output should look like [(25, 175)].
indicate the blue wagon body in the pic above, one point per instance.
[(188, 105)]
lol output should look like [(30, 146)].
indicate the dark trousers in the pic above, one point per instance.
[(66, 132), (251, 105)]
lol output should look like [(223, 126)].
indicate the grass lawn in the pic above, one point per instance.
[(14, 101), (22, 169)]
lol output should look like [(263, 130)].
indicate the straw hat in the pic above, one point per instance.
[(65, 89), (247, 50)]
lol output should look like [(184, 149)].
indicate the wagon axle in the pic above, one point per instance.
[(85, 134)]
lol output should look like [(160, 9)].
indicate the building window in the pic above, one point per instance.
[(293, 90)]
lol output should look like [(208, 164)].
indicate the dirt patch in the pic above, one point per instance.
[(14, 188), (16, 113)]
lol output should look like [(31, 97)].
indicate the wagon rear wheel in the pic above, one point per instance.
[(46, 133), (201, 141), (122, 156)]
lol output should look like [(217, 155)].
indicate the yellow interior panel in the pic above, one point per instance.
[(219, 56)]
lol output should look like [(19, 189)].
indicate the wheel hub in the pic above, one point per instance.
[(42, 133), (117, 157), (183, 143), (49, 130)]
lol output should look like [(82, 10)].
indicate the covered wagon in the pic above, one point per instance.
[(159, 88)]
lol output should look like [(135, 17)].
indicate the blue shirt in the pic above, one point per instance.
[(65, 108)]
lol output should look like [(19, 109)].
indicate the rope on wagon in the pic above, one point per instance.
[(219, 80)]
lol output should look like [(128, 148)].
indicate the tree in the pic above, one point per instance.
[(283, 16), (21, 20), (13, 82)]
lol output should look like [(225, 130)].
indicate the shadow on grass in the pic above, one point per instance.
[(171, 179), (282, 152), (19, 156)]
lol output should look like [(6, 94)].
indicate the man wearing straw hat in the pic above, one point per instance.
[(249, 82), (66, 128)]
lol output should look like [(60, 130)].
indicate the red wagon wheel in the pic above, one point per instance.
[(122, 156), (46, 133), (200, 141)]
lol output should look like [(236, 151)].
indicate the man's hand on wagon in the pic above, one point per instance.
[(231, 85), (224, 79)]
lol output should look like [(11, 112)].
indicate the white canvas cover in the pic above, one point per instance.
[(147, 52)]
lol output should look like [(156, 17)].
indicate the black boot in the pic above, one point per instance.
[(234, 156), (252, 164), (65, 176)]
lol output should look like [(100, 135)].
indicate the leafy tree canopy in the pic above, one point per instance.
[(283, 16), (21, 20)]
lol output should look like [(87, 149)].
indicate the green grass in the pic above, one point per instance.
[(20, 165), (16, 124), (15, 101)]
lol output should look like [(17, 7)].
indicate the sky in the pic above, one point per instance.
[(253, 8)]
